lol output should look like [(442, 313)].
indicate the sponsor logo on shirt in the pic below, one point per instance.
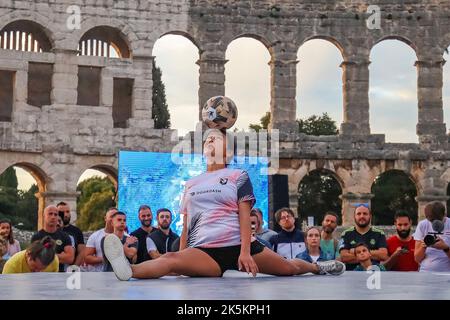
[(58, 242), (372, 242), (353, 242), (205, 191), (223, 181)]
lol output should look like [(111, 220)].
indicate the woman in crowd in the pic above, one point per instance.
[(39, 257), (6, 232), (313, 253)]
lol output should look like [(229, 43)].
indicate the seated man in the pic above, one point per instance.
[(130, 243), (328, 244), (363, 256), (289, 242), (161, 241), (362, 232), (401, 246)]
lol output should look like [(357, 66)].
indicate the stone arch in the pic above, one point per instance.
[(263, 39), (41, 178), (316, 206), (184, 34), (104, 38), (408, 204), (110, 171), (125, 31), (337, 43), (394, 90), (403, 39), (29, 35)]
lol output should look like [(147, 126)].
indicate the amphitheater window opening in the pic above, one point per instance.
[(97, 192), (25, 36), (89, 79), (175, 74), (393, 91), (105, 42), (122, 102), (319, 193), (39, 84), (18, 201), (319, 88), (7, 79), (393, 191), (248, 82)]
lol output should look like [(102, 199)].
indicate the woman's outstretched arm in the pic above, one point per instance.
[(246, 262)]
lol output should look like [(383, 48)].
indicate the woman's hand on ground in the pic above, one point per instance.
[(247, 264)]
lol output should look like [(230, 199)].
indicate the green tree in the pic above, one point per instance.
[(263, 123), (393, 191), (97, 195), (319, 192), (9, 178), (160, 109), (318, 125), (27, 208), (8, 192)]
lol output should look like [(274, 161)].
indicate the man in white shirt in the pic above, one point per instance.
[(436, 257), (93, 252)]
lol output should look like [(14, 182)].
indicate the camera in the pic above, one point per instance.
[(432, 237)]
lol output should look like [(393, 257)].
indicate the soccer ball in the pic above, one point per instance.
[(219, 113)]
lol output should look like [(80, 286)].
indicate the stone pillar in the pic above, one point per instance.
[(431, 127), (356, 97), (349, 200), (53, 198), (283, 105), (142, 93), (65, 77), (212, 77)]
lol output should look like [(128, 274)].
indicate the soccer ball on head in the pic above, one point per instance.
[(219, 113)]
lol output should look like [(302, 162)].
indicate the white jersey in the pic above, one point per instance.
[(211, 201), (435, 260), (94, 241)]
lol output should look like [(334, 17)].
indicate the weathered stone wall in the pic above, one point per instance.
[(57, 142)]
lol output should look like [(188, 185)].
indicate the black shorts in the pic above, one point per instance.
[(227, 257)]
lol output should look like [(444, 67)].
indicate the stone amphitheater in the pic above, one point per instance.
[(72, 95)]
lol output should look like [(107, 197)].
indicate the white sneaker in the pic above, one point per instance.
[(114, 252), (332, 267)]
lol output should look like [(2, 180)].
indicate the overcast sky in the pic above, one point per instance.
[(393, 77)]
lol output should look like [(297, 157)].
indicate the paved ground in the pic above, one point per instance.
[(234, 286)]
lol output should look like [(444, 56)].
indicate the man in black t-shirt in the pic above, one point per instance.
[(64, 249), (71, 230), (145, 217), (362, 232)]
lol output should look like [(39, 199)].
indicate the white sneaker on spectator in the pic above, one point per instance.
[(332, 267), (116, 257)]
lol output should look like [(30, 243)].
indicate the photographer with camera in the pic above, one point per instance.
[(401, 246), (432, 237)]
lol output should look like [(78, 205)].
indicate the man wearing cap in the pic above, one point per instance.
[(362, 232)]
